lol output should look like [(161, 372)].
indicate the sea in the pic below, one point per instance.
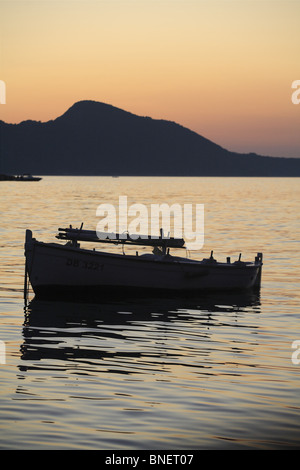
[(214, 372)]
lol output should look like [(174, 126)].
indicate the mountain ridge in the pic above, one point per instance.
[(94, 138)]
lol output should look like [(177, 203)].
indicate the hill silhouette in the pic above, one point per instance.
[(93, 138)]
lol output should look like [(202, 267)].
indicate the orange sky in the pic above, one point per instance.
[(222, 68)]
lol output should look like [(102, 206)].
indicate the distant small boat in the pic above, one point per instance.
[(27, 177), (69, 272)]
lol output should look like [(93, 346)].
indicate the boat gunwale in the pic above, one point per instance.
[(205, 263)]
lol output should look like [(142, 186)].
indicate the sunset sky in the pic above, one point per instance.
[(223, 68)]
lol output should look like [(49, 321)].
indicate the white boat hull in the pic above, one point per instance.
[(64, 272)]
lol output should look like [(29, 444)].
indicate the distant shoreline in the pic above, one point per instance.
[(13, 178), (93, 138)]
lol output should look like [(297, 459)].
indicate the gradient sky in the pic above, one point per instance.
[(222, 68)]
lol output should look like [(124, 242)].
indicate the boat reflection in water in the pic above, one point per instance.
[(128, 330)]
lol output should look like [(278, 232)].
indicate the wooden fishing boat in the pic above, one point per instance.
[(68, 271)]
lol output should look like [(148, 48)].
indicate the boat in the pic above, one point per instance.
[(27, 177), (69, 272)]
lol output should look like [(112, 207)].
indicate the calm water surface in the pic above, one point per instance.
[(209, 373)]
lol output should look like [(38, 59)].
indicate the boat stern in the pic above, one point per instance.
[(258, 262), (28, 260)]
